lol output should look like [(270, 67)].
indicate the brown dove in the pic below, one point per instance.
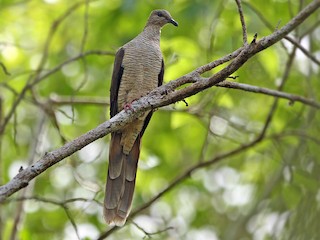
[(138, 69)]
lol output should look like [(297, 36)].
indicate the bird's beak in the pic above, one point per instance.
[(173, 22)]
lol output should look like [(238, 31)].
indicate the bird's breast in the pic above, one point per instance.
[(142, 65)]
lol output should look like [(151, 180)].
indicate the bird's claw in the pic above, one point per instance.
[(128, 107)]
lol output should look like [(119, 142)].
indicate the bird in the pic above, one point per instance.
[(138, 69)]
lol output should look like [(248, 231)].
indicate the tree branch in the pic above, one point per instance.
[(270, 92), (103, 102), (288, 38), (243, 23), (4, 68)]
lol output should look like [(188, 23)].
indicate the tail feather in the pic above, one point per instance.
[(115, 156), (120, 181), (126, 200), (132, 161), (114, 190)]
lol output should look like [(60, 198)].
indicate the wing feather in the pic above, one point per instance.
[(115, 82)]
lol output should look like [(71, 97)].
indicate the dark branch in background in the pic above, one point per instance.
[(67, 100), (312, 28), (159, 97), (215, 20), (36, 140), (298, 133), (302, 49), (4, 68), (82, 47), (63, 204), (51, 201), (243, 23), (9, 88), (148, 234), (86, 26)]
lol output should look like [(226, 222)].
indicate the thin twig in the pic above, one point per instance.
[(73, 223), (255, 89), (82, 47), (11, 89), (296, 133), (4, 68), (62, 204), (67, 100), (85, 26), (276, 100), (32, 156), (150, 234), (212, 30), (49, 200), (311, 29), (302, 49), (243, 23)]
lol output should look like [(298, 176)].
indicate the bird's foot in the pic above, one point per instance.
[(128, 107)]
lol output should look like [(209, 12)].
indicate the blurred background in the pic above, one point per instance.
[(56, 62)]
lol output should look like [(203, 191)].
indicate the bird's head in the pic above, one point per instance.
[(161, 18)]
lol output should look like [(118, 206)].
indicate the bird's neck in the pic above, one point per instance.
[(151, 32)]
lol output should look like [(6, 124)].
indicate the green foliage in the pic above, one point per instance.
[(267, 191)]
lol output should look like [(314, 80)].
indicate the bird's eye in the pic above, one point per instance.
[(159, 14)]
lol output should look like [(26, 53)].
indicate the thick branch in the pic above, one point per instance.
[(25, 176)]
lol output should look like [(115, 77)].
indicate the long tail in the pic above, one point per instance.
[(120, 181)]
